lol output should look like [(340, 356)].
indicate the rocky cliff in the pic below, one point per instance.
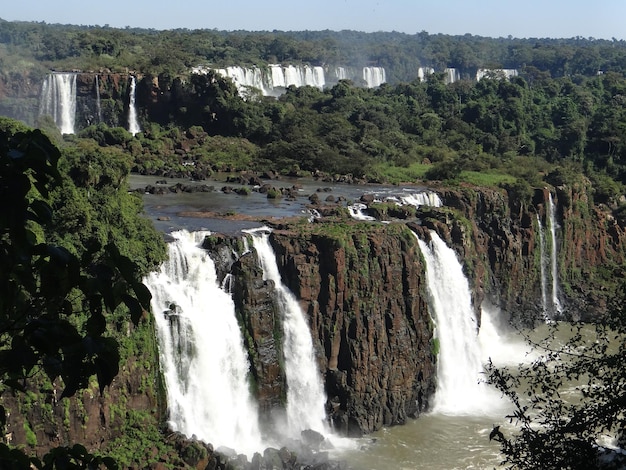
[(362, 287)]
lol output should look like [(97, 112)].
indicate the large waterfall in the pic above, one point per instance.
[(201, 349), (98, 101), (460, 357), (133, 123), (58, 99), (305, 393), (374, 76)]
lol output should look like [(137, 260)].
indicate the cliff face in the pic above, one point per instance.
[(362, 288), (39, 418), (20, 98), (498, 241)]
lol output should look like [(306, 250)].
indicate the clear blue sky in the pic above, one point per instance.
[(518, 18)]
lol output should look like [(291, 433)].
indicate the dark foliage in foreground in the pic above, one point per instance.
[(569, 401)]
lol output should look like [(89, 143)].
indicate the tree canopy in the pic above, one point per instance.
[(57, 298)]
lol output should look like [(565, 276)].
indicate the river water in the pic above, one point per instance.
[(448, 439)]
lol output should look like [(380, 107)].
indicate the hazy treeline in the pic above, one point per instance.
[(67, 47)]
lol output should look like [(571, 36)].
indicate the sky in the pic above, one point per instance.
[(601, 19)]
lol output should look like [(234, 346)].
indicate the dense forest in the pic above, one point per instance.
[(565, 108), (67, 47)]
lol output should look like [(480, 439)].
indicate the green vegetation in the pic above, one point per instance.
[(74, 260), (72, 304), (559, 111)]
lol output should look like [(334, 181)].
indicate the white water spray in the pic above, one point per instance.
[(201, 350), (459, 362), (58, 99), (553, 255), (133, 123), (305, 393)]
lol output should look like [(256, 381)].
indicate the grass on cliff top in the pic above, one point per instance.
[(486, 178), (417, 172), (399, 174)]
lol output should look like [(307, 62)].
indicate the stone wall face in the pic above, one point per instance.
[(364, 294), (362, 288)]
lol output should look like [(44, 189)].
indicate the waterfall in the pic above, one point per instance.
[(305, 393), (98, 104), (553, 255), (201, 349), (275, 78), (357, 212), (452, 75), (133, 123), (459, 360), (374, 76), (424, 198), (424, 72), (58, 99), (544, 266)]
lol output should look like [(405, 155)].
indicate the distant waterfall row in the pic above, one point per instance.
[(274, 79), (58, 99)]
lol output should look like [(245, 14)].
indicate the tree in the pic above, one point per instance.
[(571, 399), (53, 304)]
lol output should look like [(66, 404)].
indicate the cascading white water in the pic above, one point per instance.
[(424, 72), (201, 349), (424, 198), (506, 74), (133, 123), (273, 80), (556, 303), (98, 104), (459, 361), (357, 211), (452, 75), (58, 99), (374, 76), (544, 266), (305, 393)]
